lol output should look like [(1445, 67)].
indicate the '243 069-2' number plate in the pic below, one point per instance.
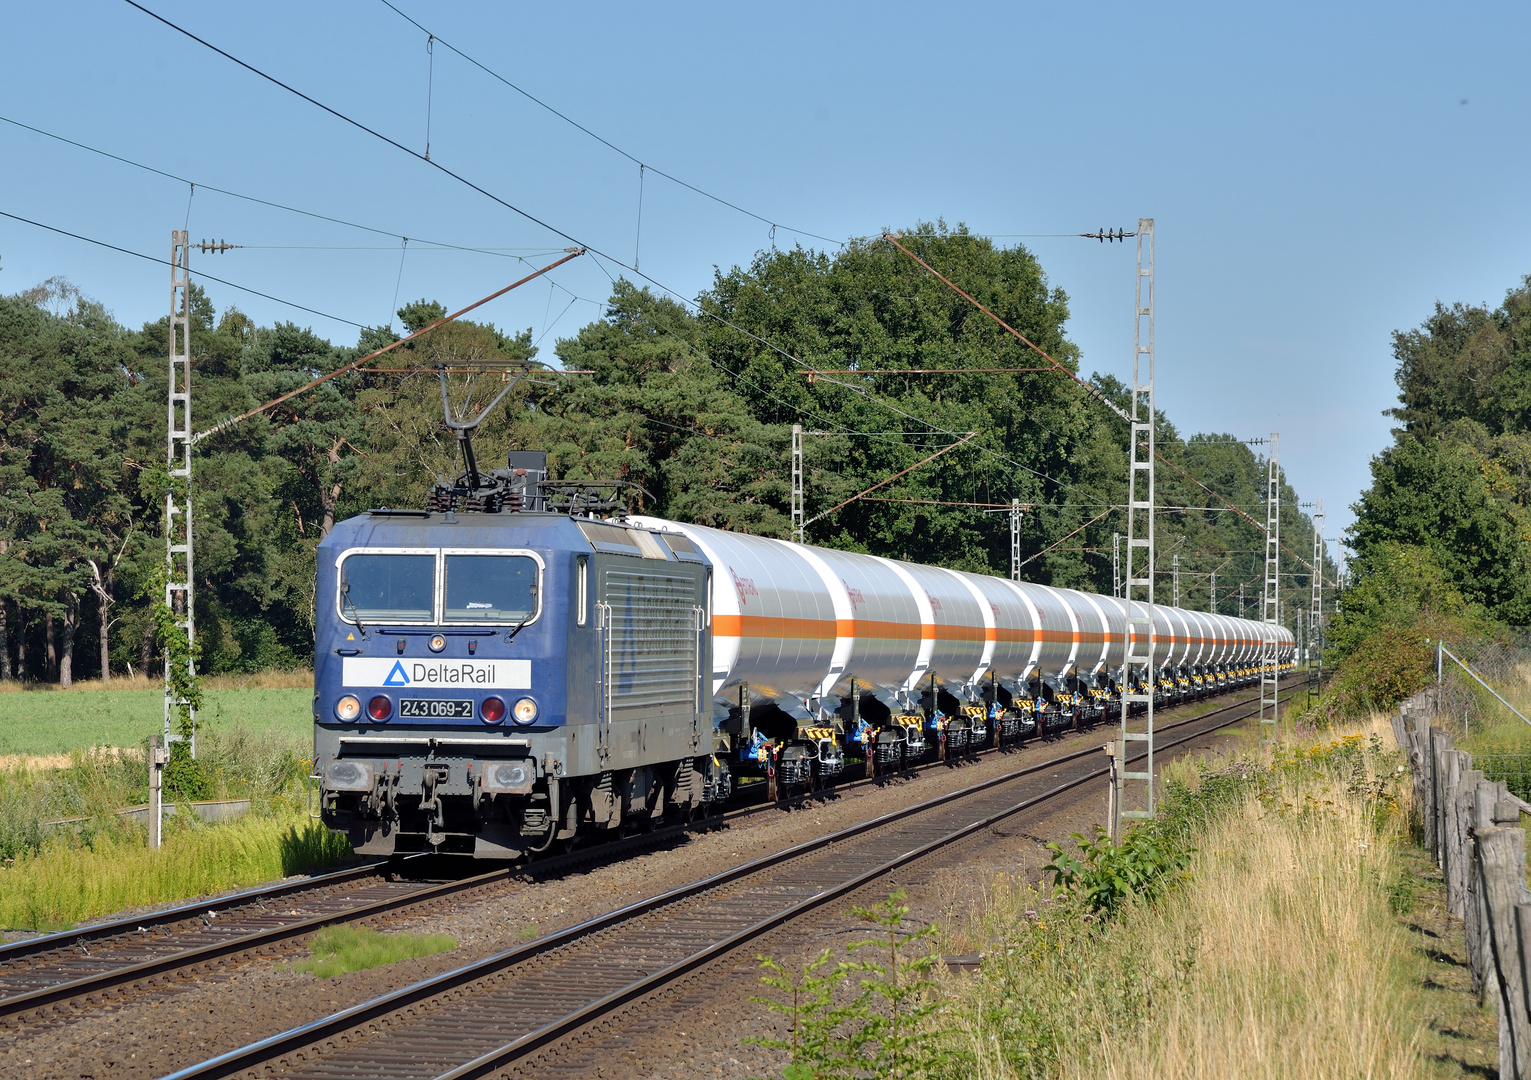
[(437, 708)]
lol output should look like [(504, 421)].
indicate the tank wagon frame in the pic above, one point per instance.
[(499, 674)]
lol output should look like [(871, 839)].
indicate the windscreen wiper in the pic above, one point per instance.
[(345, 593), (512, 635)]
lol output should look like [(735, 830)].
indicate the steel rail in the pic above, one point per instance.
[(125, 973), (504, 1055), (277, 1046), (64, 939), (184, 958)]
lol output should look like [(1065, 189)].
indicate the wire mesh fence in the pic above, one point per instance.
[(1504, 663), (1514, 770)]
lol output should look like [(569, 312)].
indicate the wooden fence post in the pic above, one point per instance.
[(1523, 940), (1457, 766), (1461, 899), (1451, 775), (1419, 763), (1481, 958), (1441, 746), (1502, 863), (1472, 905), (1432, 832)]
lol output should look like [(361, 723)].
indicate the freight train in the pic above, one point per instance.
[(516, 666)]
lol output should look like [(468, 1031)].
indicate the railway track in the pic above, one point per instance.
[(78, 966), (487, 1015)]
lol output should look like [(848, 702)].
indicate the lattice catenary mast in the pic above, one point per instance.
[(1316, 606), (797, 483), (1015, 539), (1138, 585), (1270, 603), (179, 439)]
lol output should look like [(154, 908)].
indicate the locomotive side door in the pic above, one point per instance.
[(603, 637)]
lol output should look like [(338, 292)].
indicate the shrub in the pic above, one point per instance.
[(860, 1017)]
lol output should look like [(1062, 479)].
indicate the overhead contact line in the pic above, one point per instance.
[(498, 252), (166, 262), (591, 248), (355, 364), (643, 166), (1089, 388)]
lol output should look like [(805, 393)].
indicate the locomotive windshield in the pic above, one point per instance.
[(388, 588), (490, 588)]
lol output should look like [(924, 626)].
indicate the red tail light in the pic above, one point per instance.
[(380, 708), (492, 710)]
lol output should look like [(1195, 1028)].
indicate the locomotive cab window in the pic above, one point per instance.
[(399, 586), (490, 588), (388, 588)]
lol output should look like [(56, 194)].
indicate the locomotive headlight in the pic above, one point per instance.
[(438, 643), (348, 708), (511, 777), (348, 776), (526, 711)]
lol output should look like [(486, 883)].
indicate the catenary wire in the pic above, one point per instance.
[(501, 252), (166, 262), (643, 166), (593, 250)]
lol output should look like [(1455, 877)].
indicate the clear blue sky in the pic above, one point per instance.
[(1320, 174)]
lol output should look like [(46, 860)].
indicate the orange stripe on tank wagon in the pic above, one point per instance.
[(767, 626)]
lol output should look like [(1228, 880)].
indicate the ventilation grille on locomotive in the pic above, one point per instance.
[(653, 643)]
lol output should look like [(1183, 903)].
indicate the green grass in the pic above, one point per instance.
[(43, 722), (336, 950), (72, 878)]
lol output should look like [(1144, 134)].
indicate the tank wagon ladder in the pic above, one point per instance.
[(1138, 587)]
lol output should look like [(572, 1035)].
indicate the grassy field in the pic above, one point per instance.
[(49, 721), (71, 880)]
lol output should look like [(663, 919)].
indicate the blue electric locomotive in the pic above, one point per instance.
[(491, 682)]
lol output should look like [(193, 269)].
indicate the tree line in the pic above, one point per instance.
[(693, 407), (1442, 538)]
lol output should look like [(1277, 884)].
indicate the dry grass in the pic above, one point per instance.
[(1279, 955), (33, 762), (1286, 925)]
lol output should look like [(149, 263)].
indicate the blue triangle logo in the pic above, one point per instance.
[(396, 677)]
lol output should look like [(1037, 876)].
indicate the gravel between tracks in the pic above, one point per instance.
[(150, 1031), (698, 1028)]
